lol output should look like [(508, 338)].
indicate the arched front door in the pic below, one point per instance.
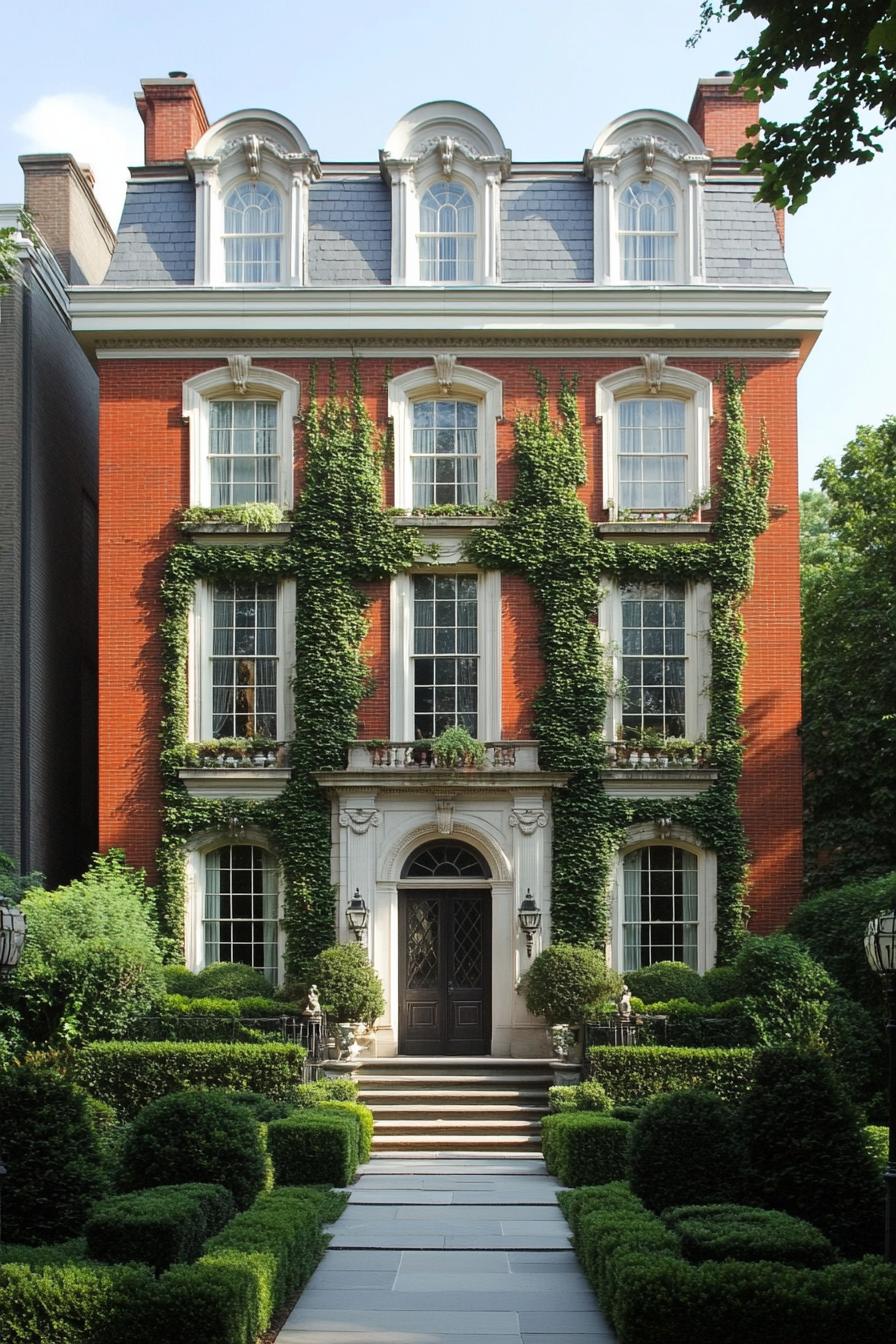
[(444, 908)]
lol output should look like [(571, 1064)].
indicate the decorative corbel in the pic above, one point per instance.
[(447, 148), (653, 369), (252, 151), (239, 366), (445, 813), (359, 820), (648, 154), (444, 367)]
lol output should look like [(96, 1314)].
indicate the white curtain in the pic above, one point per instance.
[(212, 907), (631, 896)]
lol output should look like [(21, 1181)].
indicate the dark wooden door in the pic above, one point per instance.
[(445, 973)]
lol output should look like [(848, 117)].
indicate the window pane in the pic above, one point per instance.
[(447, 234), (660, 906), (240, 908), (244, 661), (653, 665), (444, 685), (243, 451)]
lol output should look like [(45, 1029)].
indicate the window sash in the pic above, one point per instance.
[(446, 240), (253, 235), (444, 453), (240, 908), (660, 906), (652, 454), (653, 658), (445, 654), (244, 660), (648, 232), (244, 462)]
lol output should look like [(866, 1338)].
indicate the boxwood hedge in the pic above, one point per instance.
[(159, 1227), (632, 1072), (584, 1147)]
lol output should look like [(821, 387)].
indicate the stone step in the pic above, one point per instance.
[(493, 1144), (429, 1079), (436, 1124), (492, 1096), (452, 1112), (498, 1062)]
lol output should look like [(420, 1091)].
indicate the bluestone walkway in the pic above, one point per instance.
[(448, 1250)]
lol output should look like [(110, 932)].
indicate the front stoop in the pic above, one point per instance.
[(424, 1104)]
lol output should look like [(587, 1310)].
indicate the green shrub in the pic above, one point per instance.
[(261, 1108), (877, 1143), (158, 1227), (326, 1089), (720, 984), (582, 1148), (195, 1136), (129, 1074), (347, 984), (738, 1232), (785, 991), (856, 1043), (231, 980), (635, 1072), (722, 1025), (52, 1154), (632, 1111), (806, 1150), (69, 1252), (564, 981), (314, 1147), (667, 980), (587, 1096), (180, 981), (685, 1147), (91, 964), (74, 1304), (832, 926), (363, 1117)]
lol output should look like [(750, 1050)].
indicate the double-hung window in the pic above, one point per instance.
[(653, 456), (244, 660), (660, 917), (243, 452), (253, 235), (445, 653), (648, 232), (445, 453), (240, 908), (447, 237), (653, 658)]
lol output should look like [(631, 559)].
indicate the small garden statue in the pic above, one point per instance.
[(624, 1003), (312, 1008)]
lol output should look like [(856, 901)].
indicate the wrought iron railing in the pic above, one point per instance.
[(310, 1033)]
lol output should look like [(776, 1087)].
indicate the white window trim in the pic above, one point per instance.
[(692, 388), (681, 837), (401, 680), (194, 863), (200, 662), (221, 383), (465, 384), (698, 655)]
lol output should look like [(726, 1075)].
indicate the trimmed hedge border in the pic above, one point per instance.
[(741, 1232), (653, 1296), (321, 1144), (633, 1072), (584, 1147), (229, 1296), (130, 1074), (363, 1117), (160, 1227)]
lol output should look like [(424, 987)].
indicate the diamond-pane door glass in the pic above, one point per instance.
[(446, 649), (244, 660), (423, 942), (466, 950), (241, 908), (653, 658), (660, 906)]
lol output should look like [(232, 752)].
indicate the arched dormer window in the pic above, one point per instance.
[(648, 231), (447, 234), (648, 170), (252, 172), (253, 235), (445, 163)]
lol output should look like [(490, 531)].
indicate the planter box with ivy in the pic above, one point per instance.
[(227, 767)]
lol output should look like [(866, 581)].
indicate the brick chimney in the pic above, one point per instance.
[(173, 117), (59, 197), (720, 116)]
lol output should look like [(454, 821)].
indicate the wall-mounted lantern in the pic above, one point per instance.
[(529, 917), (357, 915)]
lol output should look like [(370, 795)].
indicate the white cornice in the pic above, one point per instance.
[(104, 312)]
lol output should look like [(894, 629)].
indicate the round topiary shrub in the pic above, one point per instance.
[(666, 980), (230, 980), (685, 1149), (564, 981), (195, 1136), (348, 987), (720, 984), (52, 1156)]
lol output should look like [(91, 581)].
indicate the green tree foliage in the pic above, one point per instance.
[(832, 926), (685, 1147), (91, 963), (852, 46), (849, 650)]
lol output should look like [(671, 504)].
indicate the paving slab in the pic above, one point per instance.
[(462, 1252)]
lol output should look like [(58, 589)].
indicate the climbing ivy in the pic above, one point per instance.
[(545, 536), (340, 538)]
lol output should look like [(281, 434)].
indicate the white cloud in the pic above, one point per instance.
[(106, 135)]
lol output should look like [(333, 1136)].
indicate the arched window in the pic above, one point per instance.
[(647, 231), (653, 455), (240, 908), (446, 860), (447, 237), (445, 453), (253, 235), (243, 457), (660, 916)]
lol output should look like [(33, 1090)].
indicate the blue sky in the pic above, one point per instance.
[(549, 75)]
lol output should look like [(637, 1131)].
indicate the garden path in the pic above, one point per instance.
[(449, 1250)]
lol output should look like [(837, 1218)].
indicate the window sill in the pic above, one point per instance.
[(250, 783), (223, 533), (635, 782), (636, 528), (456, 521)]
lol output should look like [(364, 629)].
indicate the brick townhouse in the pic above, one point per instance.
[(444, 272)]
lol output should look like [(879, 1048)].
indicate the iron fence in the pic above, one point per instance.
[(310, 1033)]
